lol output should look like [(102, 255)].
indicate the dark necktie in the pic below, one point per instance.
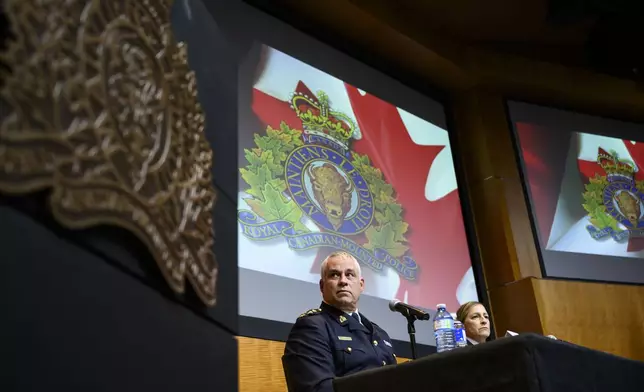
[(356, 316)]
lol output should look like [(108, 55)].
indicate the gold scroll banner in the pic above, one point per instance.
[(101, 107)]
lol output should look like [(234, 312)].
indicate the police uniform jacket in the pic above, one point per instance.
[(326, 343), (469, 342)]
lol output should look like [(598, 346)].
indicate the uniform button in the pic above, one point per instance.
[(348, 349), (375, 342), (384, 363)]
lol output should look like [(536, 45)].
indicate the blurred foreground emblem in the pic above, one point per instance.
[(101, 107)]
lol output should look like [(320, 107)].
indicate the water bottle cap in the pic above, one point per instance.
[(441, 306)]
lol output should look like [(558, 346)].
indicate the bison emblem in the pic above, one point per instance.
[(332, 192), (629, 205)]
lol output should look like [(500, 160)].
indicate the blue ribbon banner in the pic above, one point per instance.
[(376, 260), (608, 231)]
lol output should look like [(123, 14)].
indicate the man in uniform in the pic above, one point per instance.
[(334, 340)]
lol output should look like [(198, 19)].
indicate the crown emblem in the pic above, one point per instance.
[(616, 168), (318, 118)]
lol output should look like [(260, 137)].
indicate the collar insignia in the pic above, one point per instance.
[(342, 319)]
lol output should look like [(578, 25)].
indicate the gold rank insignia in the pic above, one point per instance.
[(311, 312), (342, 319)]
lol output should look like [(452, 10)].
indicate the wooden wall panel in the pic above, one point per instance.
[(514, 307), (606, 317), (486, 151), (260, 365)]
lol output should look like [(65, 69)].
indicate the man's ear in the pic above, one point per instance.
[(321, 286), (361, 284)]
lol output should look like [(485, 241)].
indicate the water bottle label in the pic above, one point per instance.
[(443, 324)]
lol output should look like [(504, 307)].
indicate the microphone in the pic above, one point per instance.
[(407, 310)]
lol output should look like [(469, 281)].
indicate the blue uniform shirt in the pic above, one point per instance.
[(326, 343)]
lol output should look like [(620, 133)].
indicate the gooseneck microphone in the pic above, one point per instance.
[(412, 314), (407, 310)]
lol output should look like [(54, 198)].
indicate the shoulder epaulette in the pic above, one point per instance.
[(311, 312)]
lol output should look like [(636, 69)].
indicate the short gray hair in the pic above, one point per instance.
[(340, 253)]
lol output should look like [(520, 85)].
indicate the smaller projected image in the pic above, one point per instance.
[(600, 206)]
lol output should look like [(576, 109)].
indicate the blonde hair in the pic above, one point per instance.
[(340, 254), (464, 310)]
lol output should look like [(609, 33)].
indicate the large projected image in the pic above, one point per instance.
[(585, 178), (333, 167)]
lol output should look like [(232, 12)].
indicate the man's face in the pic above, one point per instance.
[(341, 286)]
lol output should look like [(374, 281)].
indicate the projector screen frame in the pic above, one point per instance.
[(565, 114)]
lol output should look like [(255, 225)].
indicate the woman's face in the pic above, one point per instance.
[(477, 324)]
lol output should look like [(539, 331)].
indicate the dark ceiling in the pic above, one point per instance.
[(602, 35)]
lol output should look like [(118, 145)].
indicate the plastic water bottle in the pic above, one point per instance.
[(444, 329), (459, 334)]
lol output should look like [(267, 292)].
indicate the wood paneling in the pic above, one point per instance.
[(504, 233), (260, 365), (514, 308), (606, 317)]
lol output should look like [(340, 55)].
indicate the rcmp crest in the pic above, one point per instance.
[(312, 173), (615, 202)]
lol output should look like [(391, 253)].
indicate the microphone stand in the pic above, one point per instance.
[(411, 329)]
